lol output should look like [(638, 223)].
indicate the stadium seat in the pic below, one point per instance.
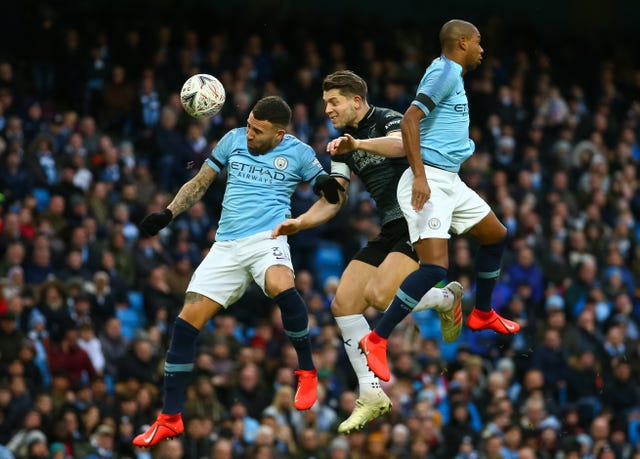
[(136, 301), (131, 322), (328, 261), (43, 197)]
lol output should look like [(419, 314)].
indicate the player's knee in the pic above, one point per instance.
[(496, 234), (275, 285), (378, 296), (501, 232), (336, 308), (340, 308)]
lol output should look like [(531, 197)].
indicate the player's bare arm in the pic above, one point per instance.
[(192, 191), (320, 212), (410, 126), (389, 146)]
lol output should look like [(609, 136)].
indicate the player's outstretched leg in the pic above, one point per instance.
[(483, 316), (447, 302), (177, 374), (372, 402), (374, 344), (296, 326)]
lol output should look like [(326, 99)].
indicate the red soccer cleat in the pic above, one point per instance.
[(307, 391), (376, 353), (481, 320), (166, 426)]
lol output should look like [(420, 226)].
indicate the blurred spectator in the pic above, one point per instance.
[(551, 359), (621, 393), (117, 102), (147, 255), (67, 357), (15, 180), (43, 166), (250, 390), (10, 338), (113, 346), (160, 304), (88, 341), (140, 363)]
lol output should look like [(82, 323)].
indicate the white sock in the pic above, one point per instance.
[(435, 297), (353, 328)]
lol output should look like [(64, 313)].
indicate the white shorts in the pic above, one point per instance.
[(452, 205), (230, 266)]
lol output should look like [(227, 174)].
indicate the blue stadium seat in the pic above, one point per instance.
[(328, 261), (136, 301), (131, 322), (43, 197)]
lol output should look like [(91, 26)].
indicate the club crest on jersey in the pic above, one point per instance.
[(280, 163), (434, 223)]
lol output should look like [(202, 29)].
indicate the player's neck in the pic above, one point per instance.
[(455, 57), (362, 113)]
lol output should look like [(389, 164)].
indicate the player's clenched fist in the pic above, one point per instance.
[(154, 222)]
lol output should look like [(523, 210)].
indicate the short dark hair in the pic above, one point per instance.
[(273, 109), (347, 82)]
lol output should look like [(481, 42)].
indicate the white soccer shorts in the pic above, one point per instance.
[(452, 205), (230, 266)]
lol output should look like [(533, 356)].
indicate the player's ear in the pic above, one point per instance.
[(462, 43), (357, 102)]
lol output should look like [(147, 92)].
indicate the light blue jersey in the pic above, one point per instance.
[(259, 187), (444, 132)]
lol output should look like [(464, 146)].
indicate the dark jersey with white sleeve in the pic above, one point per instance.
[(379, 175)]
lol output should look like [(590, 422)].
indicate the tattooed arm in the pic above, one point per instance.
[(192, 191)]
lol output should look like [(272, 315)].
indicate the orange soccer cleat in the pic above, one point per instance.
[(166, 426), (481, 320), (375, 350), (307, 391)]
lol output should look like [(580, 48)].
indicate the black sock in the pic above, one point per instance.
[(488, 261), (295, 319), (411, 290), (179, 365)]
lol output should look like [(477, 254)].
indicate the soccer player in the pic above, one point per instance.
[(435, 133), (371, 147), (264, 167)]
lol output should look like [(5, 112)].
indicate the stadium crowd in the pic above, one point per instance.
[(92, 138)]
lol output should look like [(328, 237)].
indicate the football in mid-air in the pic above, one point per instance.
[(202, 96)]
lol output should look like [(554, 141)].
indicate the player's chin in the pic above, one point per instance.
[(337, 124)]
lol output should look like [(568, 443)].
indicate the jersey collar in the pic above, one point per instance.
[(363, 121), (454, 63)]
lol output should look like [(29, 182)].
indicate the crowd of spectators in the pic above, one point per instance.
[(92, 138)]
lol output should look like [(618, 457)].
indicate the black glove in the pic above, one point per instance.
[(329, 187), (154, 222)]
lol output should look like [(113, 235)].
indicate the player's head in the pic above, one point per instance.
[(460, 40), (345, 98), (267, 124)]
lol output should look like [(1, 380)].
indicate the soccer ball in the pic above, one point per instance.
[(202, 96)]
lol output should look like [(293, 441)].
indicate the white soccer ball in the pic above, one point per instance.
[(202, 96)]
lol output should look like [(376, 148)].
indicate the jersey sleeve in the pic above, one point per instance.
[(437, 83), (310, 167), (219, 156), (391, 122)]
